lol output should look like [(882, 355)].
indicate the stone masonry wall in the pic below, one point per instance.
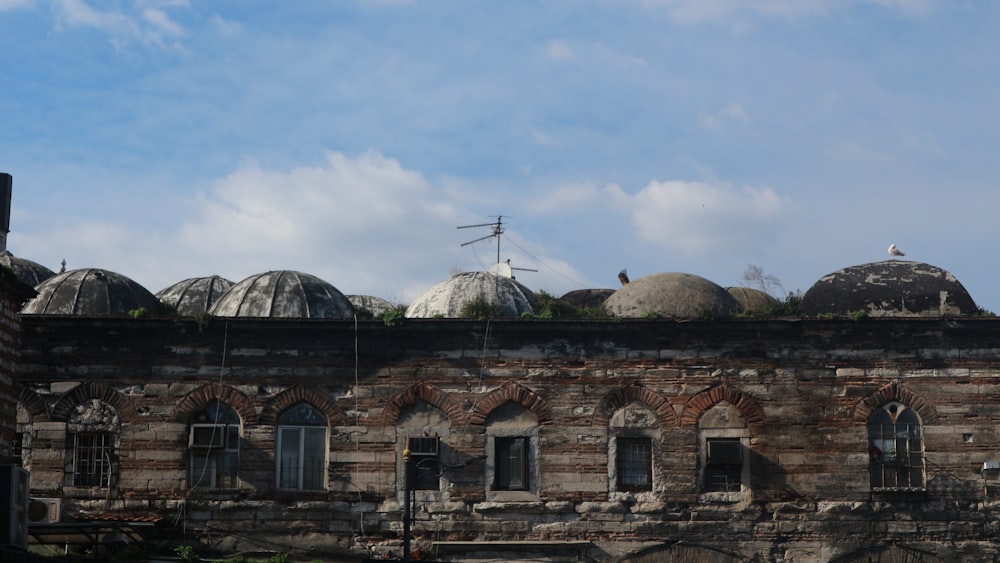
[(802, 389)]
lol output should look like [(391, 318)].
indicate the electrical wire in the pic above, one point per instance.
[(539, 261)]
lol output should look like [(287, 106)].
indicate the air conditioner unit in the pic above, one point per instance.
[(424, 445), (14, 487), (44, 510), (208, 436)]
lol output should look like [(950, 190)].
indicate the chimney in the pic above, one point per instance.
[(6, 184), (623, 277)]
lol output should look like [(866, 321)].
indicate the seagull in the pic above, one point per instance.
[(895, 251)]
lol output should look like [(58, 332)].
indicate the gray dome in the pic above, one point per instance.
[(671, 295), (586, 297), (26, 271), (283, 294), (194, 296), (375, 305), (448, 298), (91, 292), (891, 288), (751, 299)]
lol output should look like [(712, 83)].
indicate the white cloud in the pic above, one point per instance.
[(733, 113), (565, 197), (162, 22), (14, 4), (224, 26), (699, 11), (365, 223), (693, 217), (145, 21), (559, 51)]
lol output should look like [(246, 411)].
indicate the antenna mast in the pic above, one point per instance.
[(497, 231)]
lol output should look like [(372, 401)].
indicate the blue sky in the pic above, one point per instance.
[(169, 139)]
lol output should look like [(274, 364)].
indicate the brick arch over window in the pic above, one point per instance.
[(634, 393), (744, 402), (895, 392), (299, 394), (423, 391), (93, 390), (196, 400), (511, 391), (33, 404)]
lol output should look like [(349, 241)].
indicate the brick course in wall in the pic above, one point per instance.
[(803, 389)]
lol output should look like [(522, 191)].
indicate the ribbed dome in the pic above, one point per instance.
[(194, 296), (671, 295), (283, 294), (891, 288), (375, 305), (448, 298), (751, 299), (27, 272), (91, 292)]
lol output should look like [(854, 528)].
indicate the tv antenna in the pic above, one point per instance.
[(497, 231)]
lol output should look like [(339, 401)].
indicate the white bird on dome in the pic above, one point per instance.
[(895, 251)]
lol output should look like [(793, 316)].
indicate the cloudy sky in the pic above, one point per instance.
[(169, 139)]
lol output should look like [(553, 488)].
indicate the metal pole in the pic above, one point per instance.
[(407, 490)]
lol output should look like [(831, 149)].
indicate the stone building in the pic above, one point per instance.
[(267, 417)]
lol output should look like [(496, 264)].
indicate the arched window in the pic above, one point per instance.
[(511, 454), (214, 446), (302, 449), (633, 443), (724, 451), (92, 433), (895, 448), (424, 430)]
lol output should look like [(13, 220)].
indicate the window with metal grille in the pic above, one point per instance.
[(93, 455), (302, 448), (723, 465), (423, 459), (895, 446), (512, 465), (634, 459), (17, 450)]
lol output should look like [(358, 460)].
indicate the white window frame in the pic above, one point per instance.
[(300, 480)]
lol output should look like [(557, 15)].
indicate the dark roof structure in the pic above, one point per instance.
[(890, 288), (586, 297), (27, 272), (91, 291), (283, 294), (194, 296)]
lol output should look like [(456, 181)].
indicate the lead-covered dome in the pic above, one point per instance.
[(91, 292), (26, 271), (375, 305), (581, 298), (448, 298), (194, 296), (672, 295), (751, 299), (891, 288), (283, 294)]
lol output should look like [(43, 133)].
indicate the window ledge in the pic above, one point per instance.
[(724, 497)]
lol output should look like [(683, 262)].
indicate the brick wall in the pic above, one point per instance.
[(802, 390)]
